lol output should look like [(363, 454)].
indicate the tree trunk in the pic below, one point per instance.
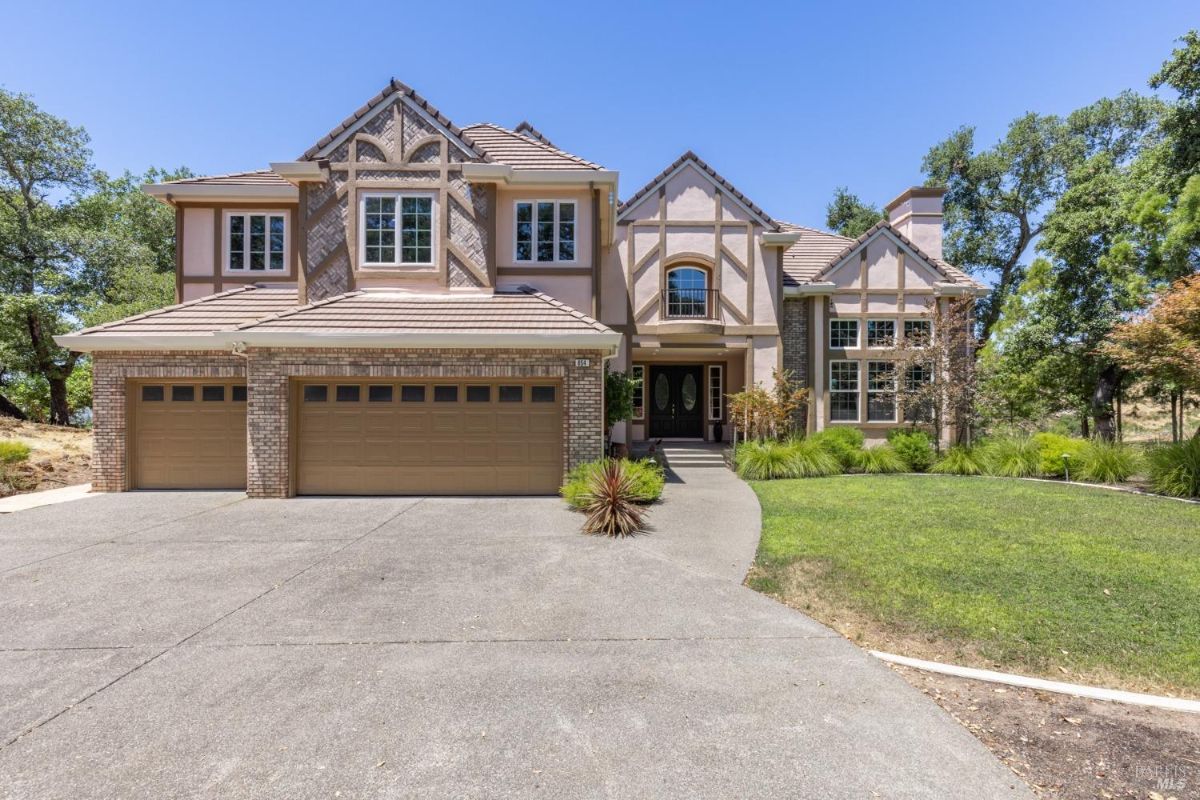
[(1174, 418), (1102, 407), (60, 412), (1084, 428), (10, 409), (1120, 415)]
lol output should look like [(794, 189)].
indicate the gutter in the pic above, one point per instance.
[(171, 193), (503, 173), (810, 289)]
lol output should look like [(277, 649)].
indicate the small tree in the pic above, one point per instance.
[(619, 389), (936, 375), (1163, 343), (760, 413)]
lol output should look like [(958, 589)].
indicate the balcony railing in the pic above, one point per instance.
[(690, 304)]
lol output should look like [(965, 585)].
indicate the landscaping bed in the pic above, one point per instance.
[(58, 456)]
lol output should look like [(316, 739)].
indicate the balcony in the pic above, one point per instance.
[(686, 310)]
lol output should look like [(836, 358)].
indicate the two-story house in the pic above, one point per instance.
[(416, 308)]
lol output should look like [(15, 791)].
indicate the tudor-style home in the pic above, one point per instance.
[(415, 308)]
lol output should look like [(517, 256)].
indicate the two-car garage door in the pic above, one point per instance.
[(428, 437)]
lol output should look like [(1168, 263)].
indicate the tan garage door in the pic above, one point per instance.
[(428, 437), (188, 434)]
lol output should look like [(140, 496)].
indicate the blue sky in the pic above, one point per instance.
[(786, 100)]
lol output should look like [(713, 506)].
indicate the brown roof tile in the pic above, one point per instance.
[(258, 177), (703, 166), (525, 128), (219, 312), (525, 311), (805, 259), (521, 151)]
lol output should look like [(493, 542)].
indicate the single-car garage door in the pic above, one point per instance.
[(428, 437), (187, 434)]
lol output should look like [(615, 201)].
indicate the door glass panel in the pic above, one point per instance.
[(688, 390), (662, 392)]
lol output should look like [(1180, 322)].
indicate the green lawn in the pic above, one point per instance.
[(1013, 571)]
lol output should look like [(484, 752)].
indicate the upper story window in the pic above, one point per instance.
[(545, 230), (396, 229), (255, 241), (918, 332), (843, 334), (881, 333), (687, 292)]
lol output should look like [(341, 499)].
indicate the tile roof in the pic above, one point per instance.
[(805, 259), (525, 128), (689, 156), (394, 87), (521, 151), (380, 312), (258, 177), (219, 312)]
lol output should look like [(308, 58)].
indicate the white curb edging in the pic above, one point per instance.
[(24, 502), (1094, 693)]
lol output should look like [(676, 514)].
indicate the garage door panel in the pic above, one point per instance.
[(185, 444), (414, 444)]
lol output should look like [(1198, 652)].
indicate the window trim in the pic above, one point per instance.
[(534, 203), (708, 282), (397, 263), (717, 372), (857, 391), (894, 392), (858, 333), (228, 214), (896, 331), (638, 372)]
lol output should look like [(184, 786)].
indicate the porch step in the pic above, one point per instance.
[(693, 457)]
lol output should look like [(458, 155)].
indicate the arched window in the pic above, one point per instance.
[(687, 292)]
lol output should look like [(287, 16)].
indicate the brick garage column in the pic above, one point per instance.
[(108, 426), (584, 417), (268, 462)]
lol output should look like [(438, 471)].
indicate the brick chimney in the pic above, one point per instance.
[(917, 214)]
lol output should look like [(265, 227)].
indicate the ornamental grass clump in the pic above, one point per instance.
[(844, 444), (811, 460), (765, 460), (612, 508), (1174, 469), (960, 460), (1012, 457), (1107, 462), (881, 459)]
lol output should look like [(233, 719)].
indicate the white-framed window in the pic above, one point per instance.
[(545, 231), (396, 229), (716, 392), (256, 241), (843, 334), (918, 332), (881, 391), (638, 373), (843, 391), (687, 293), (917, 409), (881, 333)]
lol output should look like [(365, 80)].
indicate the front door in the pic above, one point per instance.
[(675, 408)]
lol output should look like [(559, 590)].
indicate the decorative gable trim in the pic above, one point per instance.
[(418, 104), (711, 175), (884, 229)]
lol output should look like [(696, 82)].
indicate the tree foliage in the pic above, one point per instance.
[(849, 216)]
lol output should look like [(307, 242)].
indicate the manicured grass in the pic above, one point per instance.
[(1014, 571)]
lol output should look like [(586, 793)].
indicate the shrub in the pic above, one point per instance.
[(1175, 469), (915, 449), (881, 459), (1052, 447), (844, 444), (1106, 462), (612, 508), (13, 452), (1012, 457), (645, 475), (960, 460), (811, 460)]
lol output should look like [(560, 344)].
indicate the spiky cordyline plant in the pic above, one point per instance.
[(612, 509)]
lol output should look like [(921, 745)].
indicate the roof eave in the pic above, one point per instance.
[(780, 238), (171, 193), (297, 172), (595, 340), (810, 289), (505, 174), (110, 342)]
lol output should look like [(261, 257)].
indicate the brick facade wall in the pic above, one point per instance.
[(793, 333), (269, 373)]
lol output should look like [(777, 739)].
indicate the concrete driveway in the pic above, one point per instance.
[(200, 644)]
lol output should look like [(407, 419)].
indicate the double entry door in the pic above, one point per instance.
[(674, 394)]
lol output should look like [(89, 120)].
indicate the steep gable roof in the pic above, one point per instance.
[(884, 228), (691, 158), (394, 87), (521, 151)]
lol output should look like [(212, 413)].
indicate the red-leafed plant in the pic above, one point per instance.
[(612, 508)]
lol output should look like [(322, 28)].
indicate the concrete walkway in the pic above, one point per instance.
[(199, 644)]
